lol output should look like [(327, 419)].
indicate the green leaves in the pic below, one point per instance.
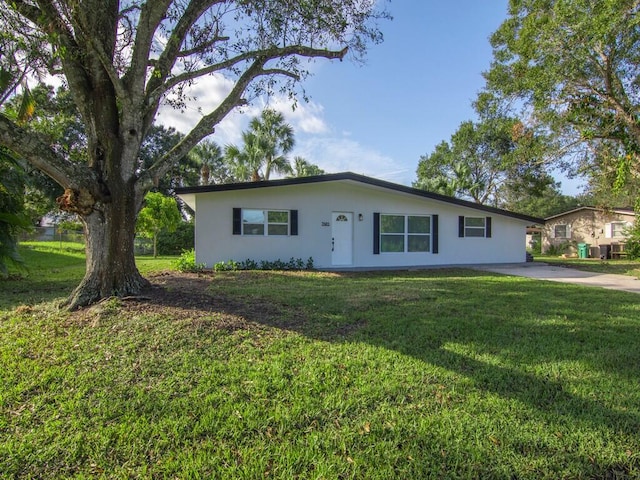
[(159, 213), (266, 144), (573, 66), (12, 216), (482, 158)]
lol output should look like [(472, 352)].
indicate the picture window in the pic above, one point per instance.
[(405, 233)]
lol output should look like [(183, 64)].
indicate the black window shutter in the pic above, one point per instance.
[(461, 226), (488, 227), (434, 233), (376, 233), (293, 214), (237, 221)]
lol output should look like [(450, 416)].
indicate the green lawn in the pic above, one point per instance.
[(431, 374), (622, 267), (53, 270)]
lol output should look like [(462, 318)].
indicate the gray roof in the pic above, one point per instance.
[(624, 211)]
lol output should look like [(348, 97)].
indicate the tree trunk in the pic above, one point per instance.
[(111, 268)]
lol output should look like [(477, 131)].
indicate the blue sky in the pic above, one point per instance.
[(378, 118)]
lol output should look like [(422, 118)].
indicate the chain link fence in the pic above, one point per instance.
[(142, 246)]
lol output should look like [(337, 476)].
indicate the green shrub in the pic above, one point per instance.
[(176, 242), (535, 246), (632, 246), (249, 264), (187, 262), (231, 265), (558, 249)]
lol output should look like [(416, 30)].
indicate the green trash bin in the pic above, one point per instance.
[(583, 250)]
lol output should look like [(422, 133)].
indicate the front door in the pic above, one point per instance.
[(342, 238)]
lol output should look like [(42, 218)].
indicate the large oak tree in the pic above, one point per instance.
[(122, 59), (575, 67)]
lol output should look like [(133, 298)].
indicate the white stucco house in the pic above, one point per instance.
[(345, 220)]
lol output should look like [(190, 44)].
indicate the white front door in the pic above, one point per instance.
[(341, 238)]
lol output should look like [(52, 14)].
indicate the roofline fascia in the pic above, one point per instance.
[(622, 211)]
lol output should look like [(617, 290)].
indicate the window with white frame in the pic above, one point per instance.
[(265, 222), (561, 231), (405, 233), (474, 226), (479, 227), (618, 229)]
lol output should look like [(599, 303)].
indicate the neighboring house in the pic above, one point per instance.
[(346, 220), (603, 230)]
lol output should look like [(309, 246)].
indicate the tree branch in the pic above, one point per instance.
[(279, 71), (610, 95), (202, 129), (151, 15), (202, 47), (107, 64), (266, 54), (48, 20), (195, 9), (35, 149)]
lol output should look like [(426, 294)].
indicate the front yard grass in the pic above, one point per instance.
[(431, 374), (621, 267), (53, 269)]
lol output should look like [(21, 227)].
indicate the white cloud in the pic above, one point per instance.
[(315, 139), (210, 91), (204, 97), (334, 154), (311, 123)]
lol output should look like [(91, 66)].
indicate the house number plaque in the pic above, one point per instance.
[(326, 224)]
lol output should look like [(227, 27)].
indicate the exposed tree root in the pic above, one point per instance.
[(91, 290)]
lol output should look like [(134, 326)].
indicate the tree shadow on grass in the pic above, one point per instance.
[(431, 316), (491, 331), (453, 319)]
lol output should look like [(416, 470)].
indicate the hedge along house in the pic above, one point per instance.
[(346, 220), (603, 230)]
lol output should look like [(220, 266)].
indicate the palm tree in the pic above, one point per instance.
[(244, 164), (302, 168), (211, 161), (276, 139), (266, 144)]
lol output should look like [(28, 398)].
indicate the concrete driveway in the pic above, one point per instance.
[(542, 271)]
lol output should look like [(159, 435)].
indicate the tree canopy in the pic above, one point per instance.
[(483, 161), (550, 201), (303, 168), (265, 146), (122, 60), (574, 66), (13, 219), (160, 213)]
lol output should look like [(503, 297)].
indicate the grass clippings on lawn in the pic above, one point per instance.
[(434, 374)]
